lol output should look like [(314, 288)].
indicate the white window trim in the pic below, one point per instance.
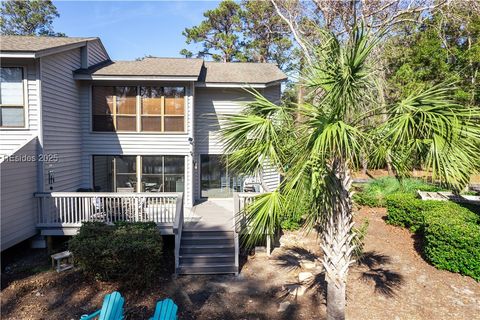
[(138, 111), (138, 167), (25, 99)]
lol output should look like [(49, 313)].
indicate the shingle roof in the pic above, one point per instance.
[(35, 44), (207, 72), (241, 72), (162, 67)]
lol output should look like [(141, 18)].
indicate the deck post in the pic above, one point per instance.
[(269, 244), (136, 203), (87, 214), (236, 210), (177, 229), (49, 244)]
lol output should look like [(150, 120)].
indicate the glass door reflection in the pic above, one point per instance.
[(216, 180)]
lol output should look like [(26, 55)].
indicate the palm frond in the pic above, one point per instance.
[(262, 217), (337, 139), (439, 134), (255, 135), (344, 76)]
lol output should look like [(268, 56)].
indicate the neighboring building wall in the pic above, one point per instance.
[(96, 53), (18, 206), (273, 93), (12, 139), (62, 120), (210, 105), (107, 143)]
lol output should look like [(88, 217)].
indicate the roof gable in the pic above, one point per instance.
[(36, 46)]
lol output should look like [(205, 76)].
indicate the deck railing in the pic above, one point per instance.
[(71, 209), (240, 202)]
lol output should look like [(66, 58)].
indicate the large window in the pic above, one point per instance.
[(12, 105), (152, 106), (156, 173), (114, 108), (163, 173), (159, 109), (174, 109)]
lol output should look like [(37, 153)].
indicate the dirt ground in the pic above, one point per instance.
[(392, 282), (378, 173)]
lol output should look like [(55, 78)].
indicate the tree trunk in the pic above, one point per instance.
[(389, 165), (336, 300), (364, 163), (337, 238)]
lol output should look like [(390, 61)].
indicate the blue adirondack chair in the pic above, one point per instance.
[(112, 308), (165, 310)]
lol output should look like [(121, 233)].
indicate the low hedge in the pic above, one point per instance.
[(450, 231), (375, 193), (453, 244), (405, 210), (130, 252)]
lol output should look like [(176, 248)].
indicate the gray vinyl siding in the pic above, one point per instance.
[(273, 93), (61, 120), (210, 105), (96, 53), (18, 206), (12, 139), (270, 177), (108, 143)]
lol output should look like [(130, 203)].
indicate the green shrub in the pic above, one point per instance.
[(130, 252), (374, 193), (359, 238), (451, 232), (405, 210), (452, 244), (367, 199), (291, 223)]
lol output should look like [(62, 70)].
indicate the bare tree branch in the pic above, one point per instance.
[(294, 32)]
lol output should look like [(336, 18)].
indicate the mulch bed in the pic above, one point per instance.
[(392, 281)]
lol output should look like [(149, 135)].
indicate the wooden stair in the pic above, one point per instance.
[(207, 252)]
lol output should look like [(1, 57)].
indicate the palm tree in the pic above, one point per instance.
[(316, 145)]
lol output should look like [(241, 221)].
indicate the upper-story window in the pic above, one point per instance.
[(157, 109), (114, 108), (12, 101)]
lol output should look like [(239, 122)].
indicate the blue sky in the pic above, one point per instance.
[(132, 29)]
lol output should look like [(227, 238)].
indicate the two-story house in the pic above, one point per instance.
[(73, 120)]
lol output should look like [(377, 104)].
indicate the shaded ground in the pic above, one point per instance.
[(392, 282)]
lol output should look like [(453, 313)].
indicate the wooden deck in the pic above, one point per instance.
[(212, 215), (201, 241), (62, 213)]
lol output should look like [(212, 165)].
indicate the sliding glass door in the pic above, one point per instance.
[(139, 173), (216, 180), (163, 173)]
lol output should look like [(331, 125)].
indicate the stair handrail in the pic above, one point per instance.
[(177, 230)]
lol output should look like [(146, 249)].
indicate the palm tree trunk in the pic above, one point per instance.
[(389, 166), (364, 163), (336, 301), (337, 241)]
